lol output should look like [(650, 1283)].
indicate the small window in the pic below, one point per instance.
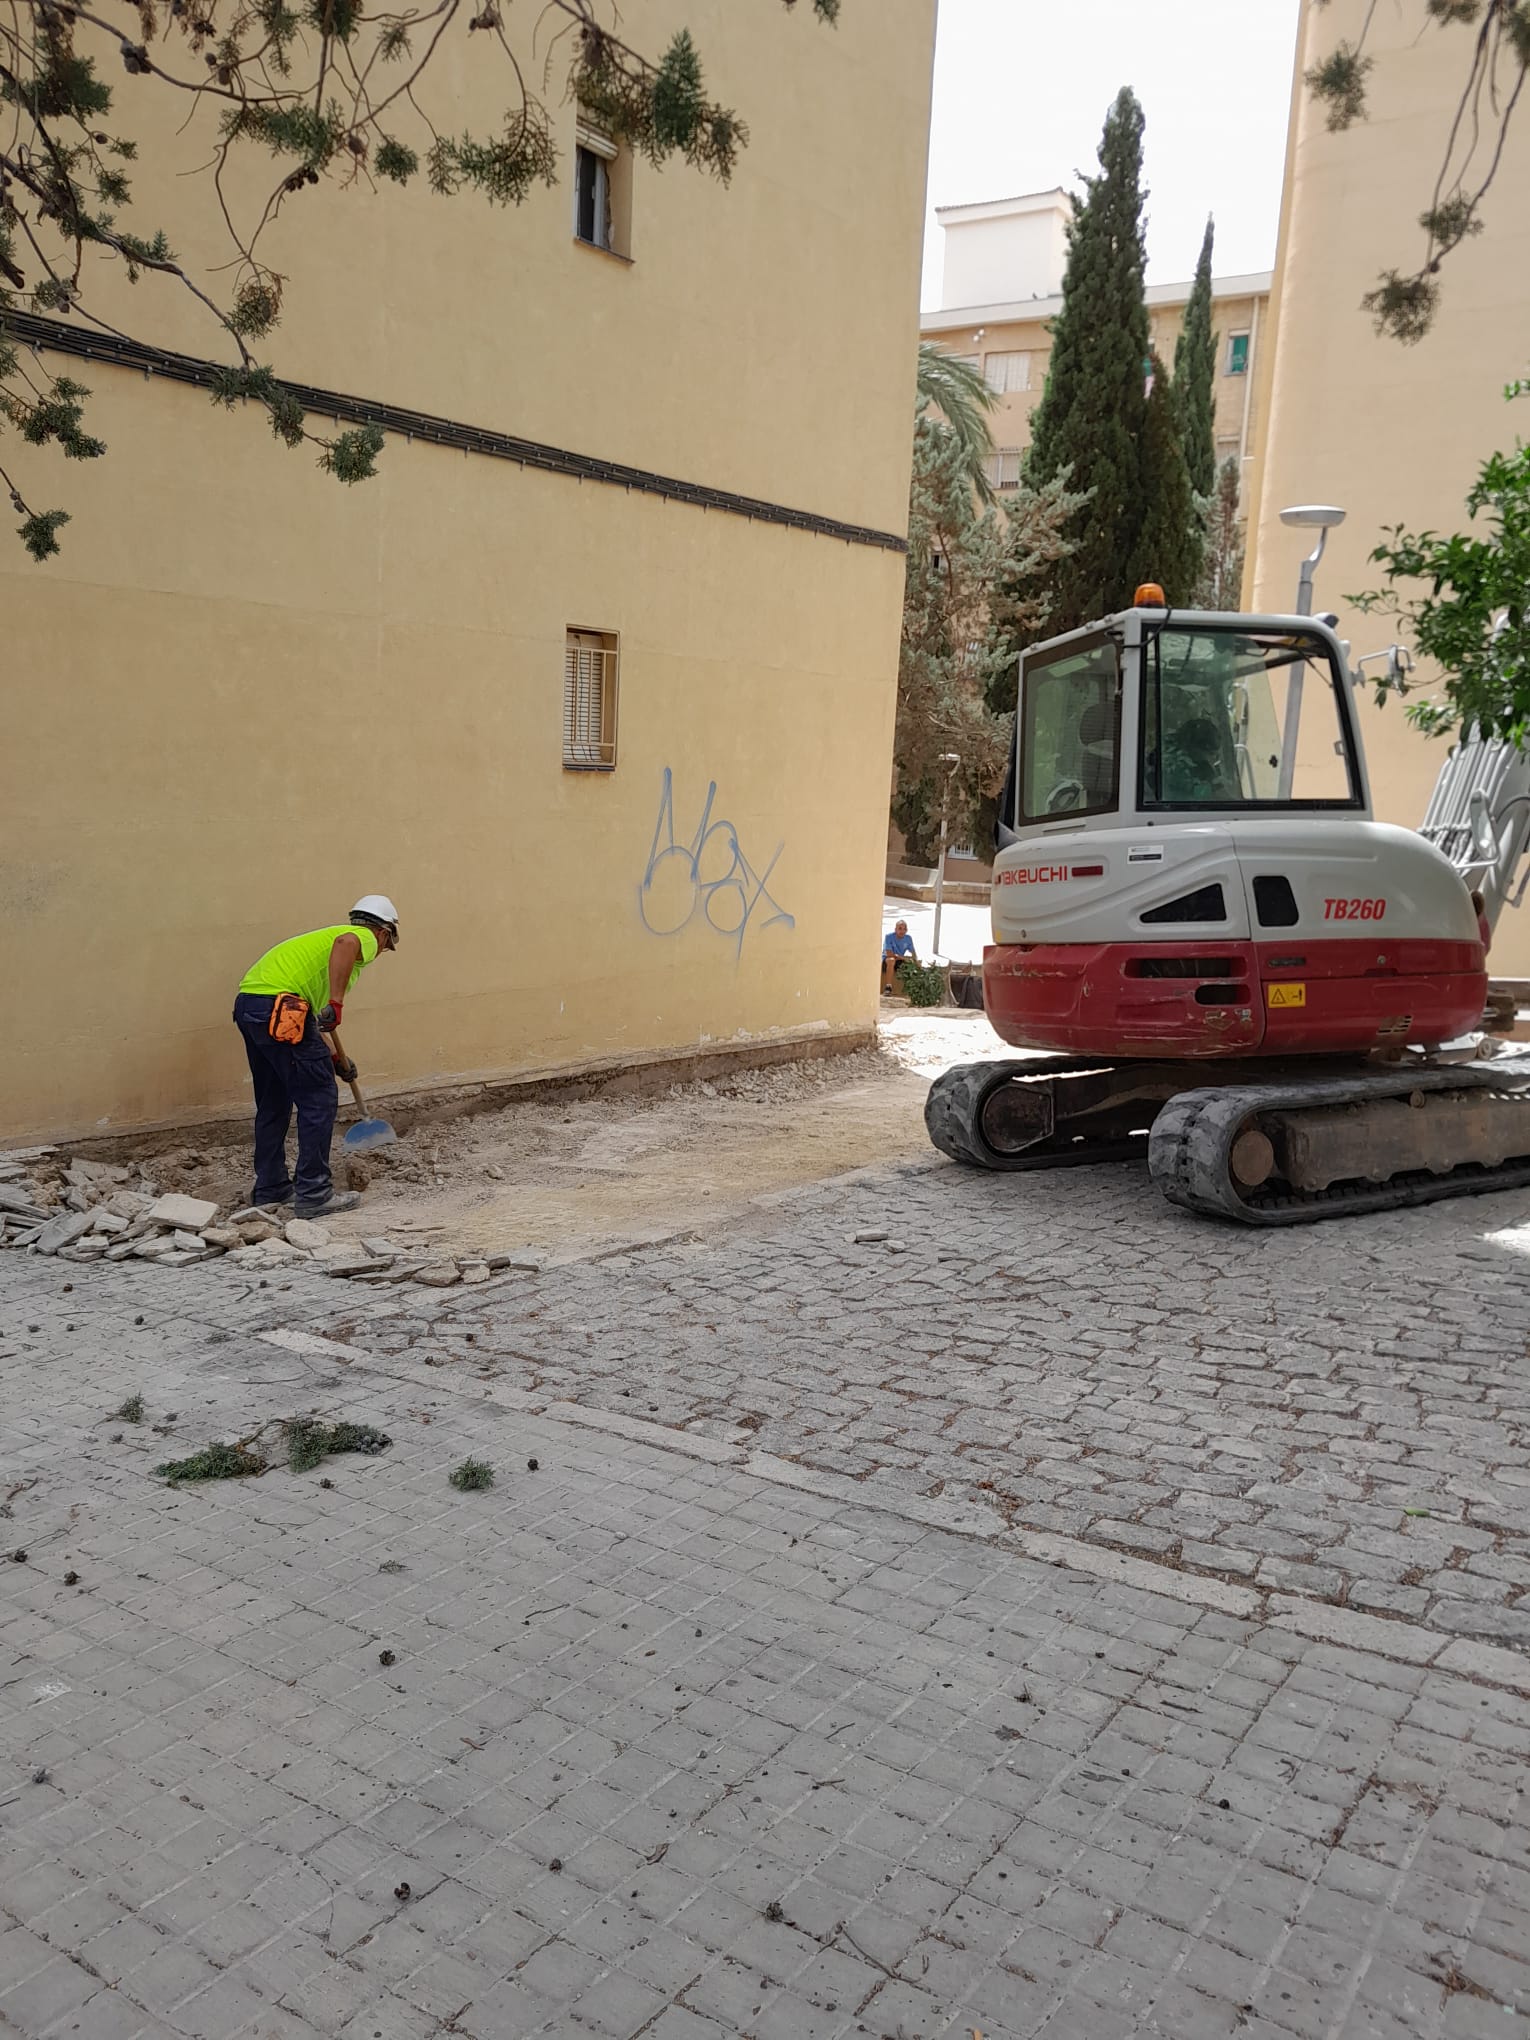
[(1275, 903), (602, 191), (1237, 354), (1204, 904), (1003, 467), (1070, 729), (1007, 373), (589, 701), (1227, 449), (592, 198)]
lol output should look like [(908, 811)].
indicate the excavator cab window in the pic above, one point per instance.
[(1244, 719), (1070, 732)]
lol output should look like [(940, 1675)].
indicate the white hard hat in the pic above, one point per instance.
[(377, 907)]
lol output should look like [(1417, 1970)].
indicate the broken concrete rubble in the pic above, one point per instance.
[(191, 1212), (63, 1230), (86, 1212), (92, 1175)]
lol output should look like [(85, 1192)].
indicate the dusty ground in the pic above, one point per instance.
[(566, 1175)]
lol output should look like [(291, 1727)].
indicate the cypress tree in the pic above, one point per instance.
[(1089, 424), (1169, 545), (1194, 374)]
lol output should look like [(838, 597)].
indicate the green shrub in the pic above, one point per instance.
[(923, 984)]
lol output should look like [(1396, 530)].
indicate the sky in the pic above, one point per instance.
[(1022, 88)]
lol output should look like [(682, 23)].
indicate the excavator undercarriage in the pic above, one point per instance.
[(1263, 1142)]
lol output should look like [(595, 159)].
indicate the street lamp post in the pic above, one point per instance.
[(950, 759), (1320, 517)]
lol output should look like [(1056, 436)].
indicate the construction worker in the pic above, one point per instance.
[(287, 1002)]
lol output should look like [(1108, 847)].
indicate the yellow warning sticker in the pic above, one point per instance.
[(1285, 995)]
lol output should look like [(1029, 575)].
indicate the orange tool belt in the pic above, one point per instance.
[(289, 1018)]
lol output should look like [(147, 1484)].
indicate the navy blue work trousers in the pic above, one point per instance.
[(288, 1077)]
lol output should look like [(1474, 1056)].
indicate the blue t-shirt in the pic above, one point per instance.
[(898, 945)]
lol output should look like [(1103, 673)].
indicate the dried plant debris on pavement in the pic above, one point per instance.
[(309, 1441), (218, 1461), (130, 1412), (472, 1474)]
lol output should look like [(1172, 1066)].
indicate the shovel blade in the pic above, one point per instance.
[(368, 1133)]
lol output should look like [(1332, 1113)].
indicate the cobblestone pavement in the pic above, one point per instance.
[(1340, 1411), (719, 1723)]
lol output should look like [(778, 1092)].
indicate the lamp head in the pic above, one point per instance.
[(1312, 516)]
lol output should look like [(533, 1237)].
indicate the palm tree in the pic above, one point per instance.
[(958, 392)]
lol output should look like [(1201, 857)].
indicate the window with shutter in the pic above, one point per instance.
[(589, 701), (1003, 467), (1007, 373), (602, 189)]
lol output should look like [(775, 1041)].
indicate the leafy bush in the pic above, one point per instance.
[(924, 984)]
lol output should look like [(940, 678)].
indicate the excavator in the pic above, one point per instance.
[(1229, 964)]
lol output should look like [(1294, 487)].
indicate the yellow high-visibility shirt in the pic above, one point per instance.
[(301, 965)]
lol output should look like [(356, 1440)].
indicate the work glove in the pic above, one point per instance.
[(329, 1016), (345, 1069)]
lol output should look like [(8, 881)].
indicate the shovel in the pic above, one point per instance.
[(366, 1133)]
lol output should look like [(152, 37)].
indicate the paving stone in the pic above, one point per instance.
[(187, 1213), (63, 1231)]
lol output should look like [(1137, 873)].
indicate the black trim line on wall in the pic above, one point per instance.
[(62, 338)]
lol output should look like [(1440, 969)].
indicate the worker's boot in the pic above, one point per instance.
[(336, 1202)]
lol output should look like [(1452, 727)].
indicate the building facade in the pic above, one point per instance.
[(1392, 434), (597, 677), (1002, 287)]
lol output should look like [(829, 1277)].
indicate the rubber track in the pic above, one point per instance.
[(1192, 1140), (955, 1100)]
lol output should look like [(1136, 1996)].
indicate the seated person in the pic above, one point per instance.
[(1194, 764), (897, 948)]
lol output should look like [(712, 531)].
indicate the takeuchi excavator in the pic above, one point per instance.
[(1234, 966)]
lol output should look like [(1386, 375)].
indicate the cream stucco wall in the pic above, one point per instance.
[(245, 694), (1394, 434)]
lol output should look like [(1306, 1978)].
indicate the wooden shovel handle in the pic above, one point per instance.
[(361, 1103)]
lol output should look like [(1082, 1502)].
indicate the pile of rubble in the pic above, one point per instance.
[(105, 1211)]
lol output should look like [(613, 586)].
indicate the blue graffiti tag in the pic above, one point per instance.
[(709, 872)]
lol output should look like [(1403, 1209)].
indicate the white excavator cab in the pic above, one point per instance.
[(1154, 714)]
